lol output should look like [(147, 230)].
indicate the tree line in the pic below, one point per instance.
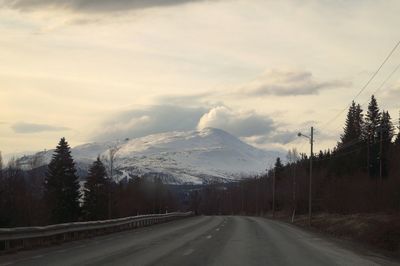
[(360, 174), (29, 197)]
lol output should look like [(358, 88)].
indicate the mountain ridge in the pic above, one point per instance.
[(177, 157)]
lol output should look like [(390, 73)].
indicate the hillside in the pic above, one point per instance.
[(190, 157)]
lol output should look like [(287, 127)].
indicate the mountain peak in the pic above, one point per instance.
[(180, 157)]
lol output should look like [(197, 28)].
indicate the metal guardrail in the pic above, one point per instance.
[(27, 237)]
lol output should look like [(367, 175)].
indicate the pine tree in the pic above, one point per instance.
[(350, 140), (278, 168), (95, 206), (349, 133), (397, 140), (386, 127), (62, 186), (353, 127), (372, 121), (386, 133), (358, 121), (371, 128)]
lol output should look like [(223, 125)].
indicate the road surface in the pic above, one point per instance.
[(204, 240)]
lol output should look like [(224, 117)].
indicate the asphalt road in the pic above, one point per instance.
[(218, 240)]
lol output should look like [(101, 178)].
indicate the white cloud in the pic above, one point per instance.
[(239, 123)]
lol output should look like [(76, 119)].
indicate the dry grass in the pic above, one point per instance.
[(377, 229)]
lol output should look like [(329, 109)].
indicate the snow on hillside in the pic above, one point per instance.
[(191, 157)]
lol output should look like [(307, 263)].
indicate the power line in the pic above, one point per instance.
[(365, 85), (384, 82), (377, 71), (355, 141), (340, 154)]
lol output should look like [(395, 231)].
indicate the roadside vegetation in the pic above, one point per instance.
[(356, 184), (29, 197)]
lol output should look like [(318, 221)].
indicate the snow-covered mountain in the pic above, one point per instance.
[(190, 157)]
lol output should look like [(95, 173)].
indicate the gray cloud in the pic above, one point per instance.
[(274, 137), (92, 5), (288, 83), (283, 137), (155, 119), (27, 128)]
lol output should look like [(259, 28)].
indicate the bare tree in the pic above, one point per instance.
[(36, 160), (112, 156)]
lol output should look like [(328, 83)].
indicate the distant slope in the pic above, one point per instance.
[(191, 157)]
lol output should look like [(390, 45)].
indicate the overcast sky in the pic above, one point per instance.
[(94, 70)]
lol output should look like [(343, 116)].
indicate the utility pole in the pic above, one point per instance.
[(257, 196), (292, 159), (310, 189), (242, 197), (273, 194), (294, 189), (311, 138)]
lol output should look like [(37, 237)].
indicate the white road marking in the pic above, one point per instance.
[(209, 236), (188, 252)]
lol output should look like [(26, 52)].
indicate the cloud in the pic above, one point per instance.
[(150, 120), (277, 138), (251, 127), (91, 5), (239, 123), (389, 97), (164, 118), (27, 128), (288, 83), (283, 137)]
